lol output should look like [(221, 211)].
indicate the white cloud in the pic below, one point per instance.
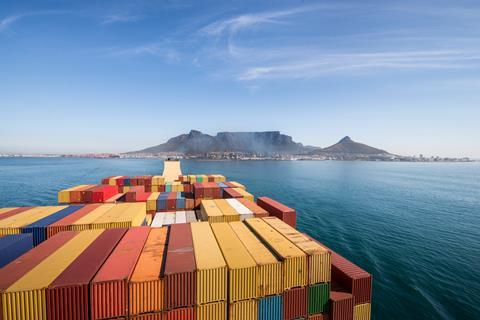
[(6, 22), (161, 50), (120, 18)]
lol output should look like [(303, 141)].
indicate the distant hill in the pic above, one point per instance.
[(349, 147), (196, 142)]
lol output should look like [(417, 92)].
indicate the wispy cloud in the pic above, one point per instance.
[(121, 18), (6, 22), (161, 49), (237, 23), (327, 64)]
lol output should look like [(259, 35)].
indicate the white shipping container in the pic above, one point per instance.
[(246, 216), (180, 217), (239, 207), (169, 218), (158, 220), (190, 216)]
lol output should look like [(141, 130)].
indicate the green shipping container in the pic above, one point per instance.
[(318, 296)]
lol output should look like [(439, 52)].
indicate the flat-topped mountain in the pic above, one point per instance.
[(196, 142)]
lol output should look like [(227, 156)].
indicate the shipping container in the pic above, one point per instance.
[(158, 180), (13, 246), (110, 283), (162, 201), (152, 201), (26, 297), (295, 303), (279, 210), (242, 269), (180, 270), (211, 266), (242, 210), (65, 223), (168, 218), (341, 306), (362, 311), (294, 260), (14, 224), (228, 193), (258, 211), (39, 228), (13, 211), (270, 308), (107, 220), (67, 295), (243, 310), (85, 222), (318, 297), (319, 265), (190, 216), (158, 220), (229, 213), (146, 287), (147, 316), (215, 310), (180, 217), (211, 212), (269, 269), (76, 194), (133, 216), (245, 194), (64, 195), (319, 316)]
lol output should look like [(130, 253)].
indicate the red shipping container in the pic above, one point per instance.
[(13, 212), (65, 223), (295, 303), (187, 187), (133, 193), (148, 188), (107, 180), (16, 269), (104, 193), (172, 201), (258, 211), (86, 195), (320, 316), (231, 193), (76, 195), (341, 306), (198, 190), (67, 295), (180, 314), (229, 184), (180, 269), (108, 290), (279, 210)]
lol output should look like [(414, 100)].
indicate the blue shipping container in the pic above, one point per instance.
[(162, 201), (39, 228), (13, 246), (126, 182), (270, 308), (180, 201)]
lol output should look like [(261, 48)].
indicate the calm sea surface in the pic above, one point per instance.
[(414, 226)]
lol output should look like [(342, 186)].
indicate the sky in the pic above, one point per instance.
[(116, 76)]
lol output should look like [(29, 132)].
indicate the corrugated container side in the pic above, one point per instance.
[(146, 296), (147, 316), (270, 279), (362, 311), (341, 306), (108, 290), (320, 316), (209, 311), (13, 246), (295, 303), (318, 297), (270, 308), (189, 313), (243, 310)]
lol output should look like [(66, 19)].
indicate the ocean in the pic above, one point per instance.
[(414, 226)]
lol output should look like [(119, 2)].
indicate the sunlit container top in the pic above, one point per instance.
[(180, 255), (276, 241), (49, 269), (113, 214), (149, 264), (120, 264), (225, 207), (238, 206), (232, 248), (70, 219), (95, 214), (211, 209), (29, 216), (257, 250), (207, 252), (180, 217), (135, 213), (158, 220), (169, 218)]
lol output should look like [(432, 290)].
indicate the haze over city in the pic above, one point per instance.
[(118, 76)]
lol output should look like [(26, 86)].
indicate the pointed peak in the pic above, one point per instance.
[(345, 139)]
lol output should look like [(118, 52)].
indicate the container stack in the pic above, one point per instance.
[(279, 210)]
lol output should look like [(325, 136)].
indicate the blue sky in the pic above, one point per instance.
[(94, 76)]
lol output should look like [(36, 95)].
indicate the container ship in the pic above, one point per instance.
[(172, 246)]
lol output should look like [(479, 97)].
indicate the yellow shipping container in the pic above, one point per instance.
[(243, 310), (210, 212), (4, 210), (362, 311), (229, 213), (245, 194), (192, 178), (216, 310), (113, 180), (319, 260), (211, 267), (14, 224), (242, 269), (25, 299), (158, 180), (294, 260), (106, 221), (152, 201), (239, 185), (269, 269), (133, 216), (64, 195), (85, 222)]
